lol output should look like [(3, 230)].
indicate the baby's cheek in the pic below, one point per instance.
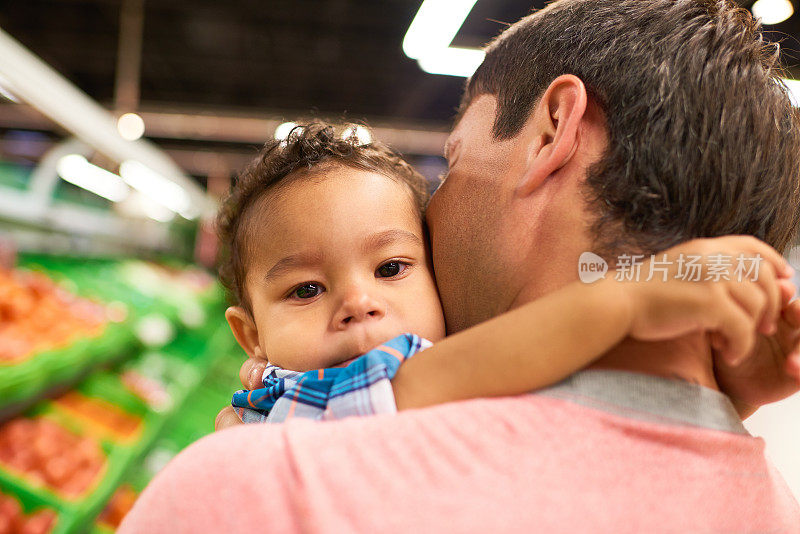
[(296, 350), (424, 313)]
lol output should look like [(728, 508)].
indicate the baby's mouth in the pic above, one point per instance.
[(347, 362), (362, 348)]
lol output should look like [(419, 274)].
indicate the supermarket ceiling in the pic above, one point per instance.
[(336, 56), (333, 58)]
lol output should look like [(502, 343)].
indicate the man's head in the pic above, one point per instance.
[(327, 253), (612, 126)]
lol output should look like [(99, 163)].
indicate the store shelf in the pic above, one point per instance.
[(178, 370), (159, 303)]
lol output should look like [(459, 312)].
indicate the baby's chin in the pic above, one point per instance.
[(353, 350), (333, 351)]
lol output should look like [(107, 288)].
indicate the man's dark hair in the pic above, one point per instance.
[(309, 149), (703, 139)]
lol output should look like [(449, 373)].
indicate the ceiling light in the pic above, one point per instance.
[(773, 11), (154, 210), (453, 61), (361, 133), (156, 187), (433, 29), (436, 24), (76, 170), (130, 126), (6, 92), (283, 130), (794, 91)]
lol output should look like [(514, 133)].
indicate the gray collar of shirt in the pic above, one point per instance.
[(649, 398)]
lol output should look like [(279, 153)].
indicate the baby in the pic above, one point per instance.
[(328, 259)]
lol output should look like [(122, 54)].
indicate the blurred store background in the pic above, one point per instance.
[(122, 122)]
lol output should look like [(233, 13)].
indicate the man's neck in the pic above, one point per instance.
[(688, 358)]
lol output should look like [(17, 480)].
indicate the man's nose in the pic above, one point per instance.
[(358, 305)]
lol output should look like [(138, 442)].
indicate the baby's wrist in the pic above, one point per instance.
[(624, 300)]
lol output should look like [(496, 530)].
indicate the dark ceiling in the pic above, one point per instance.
[(335, 56)]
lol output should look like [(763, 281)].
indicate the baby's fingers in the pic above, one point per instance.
[(768, 281), (738, 330), (772, 256), (791, 314), (754, 300), (793, 365), (788, 291), (251, 373), (226, 417)]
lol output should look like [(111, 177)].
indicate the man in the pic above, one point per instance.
[(613, 126)]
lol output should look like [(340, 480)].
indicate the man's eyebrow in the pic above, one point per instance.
[(293, 261), (379, 240)]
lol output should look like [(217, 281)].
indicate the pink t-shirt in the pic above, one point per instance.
[(605, 451)]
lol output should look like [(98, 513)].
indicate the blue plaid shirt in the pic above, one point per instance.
[(361, 388)]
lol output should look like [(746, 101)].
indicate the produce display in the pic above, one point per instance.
[(13, 520), (90, 410), (120, 504), (46, 453), (100, 416), (37, 315)]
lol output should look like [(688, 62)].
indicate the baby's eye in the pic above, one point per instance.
[(308, 291), (391, 269)]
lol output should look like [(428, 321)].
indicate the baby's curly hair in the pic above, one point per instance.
[(309, 148)]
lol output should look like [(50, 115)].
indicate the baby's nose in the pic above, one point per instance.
[(357, 307)]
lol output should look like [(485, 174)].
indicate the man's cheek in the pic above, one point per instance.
[(437, 212)]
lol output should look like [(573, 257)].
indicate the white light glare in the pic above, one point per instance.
[(358, 131), (5, 91), (130, 126), (794, 91), (283, 130), (428, 38), (773, 11), (156, 187), (155, 211), (435, 25), (75, 169), (453, 61)]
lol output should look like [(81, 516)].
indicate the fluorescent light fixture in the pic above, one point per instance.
[(154, 210), (75, 169), (6, 92), (453, 61), (433, 29), (358, 131), (773, 11), (156, 187), (435, 25), (283, 130), (8, 95), (130, 126), (794, 91), (140, 206)]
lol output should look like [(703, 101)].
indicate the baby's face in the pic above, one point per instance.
[(340, 266)]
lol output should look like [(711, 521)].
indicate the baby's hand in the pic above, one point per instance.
[(772, 371), (733, 311), (226, 417), (250, 374)]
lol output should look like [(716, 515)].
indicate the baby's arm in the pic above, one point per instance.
[(546, 340)]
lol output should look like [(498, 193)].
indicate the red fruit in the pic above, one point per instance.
[(40, 522)]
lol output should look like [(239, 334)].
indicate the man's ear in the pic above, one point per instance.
[(553, 130), (244, 330)]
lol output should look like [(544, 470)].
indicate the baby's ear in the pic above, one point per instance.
[(244, 330)]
